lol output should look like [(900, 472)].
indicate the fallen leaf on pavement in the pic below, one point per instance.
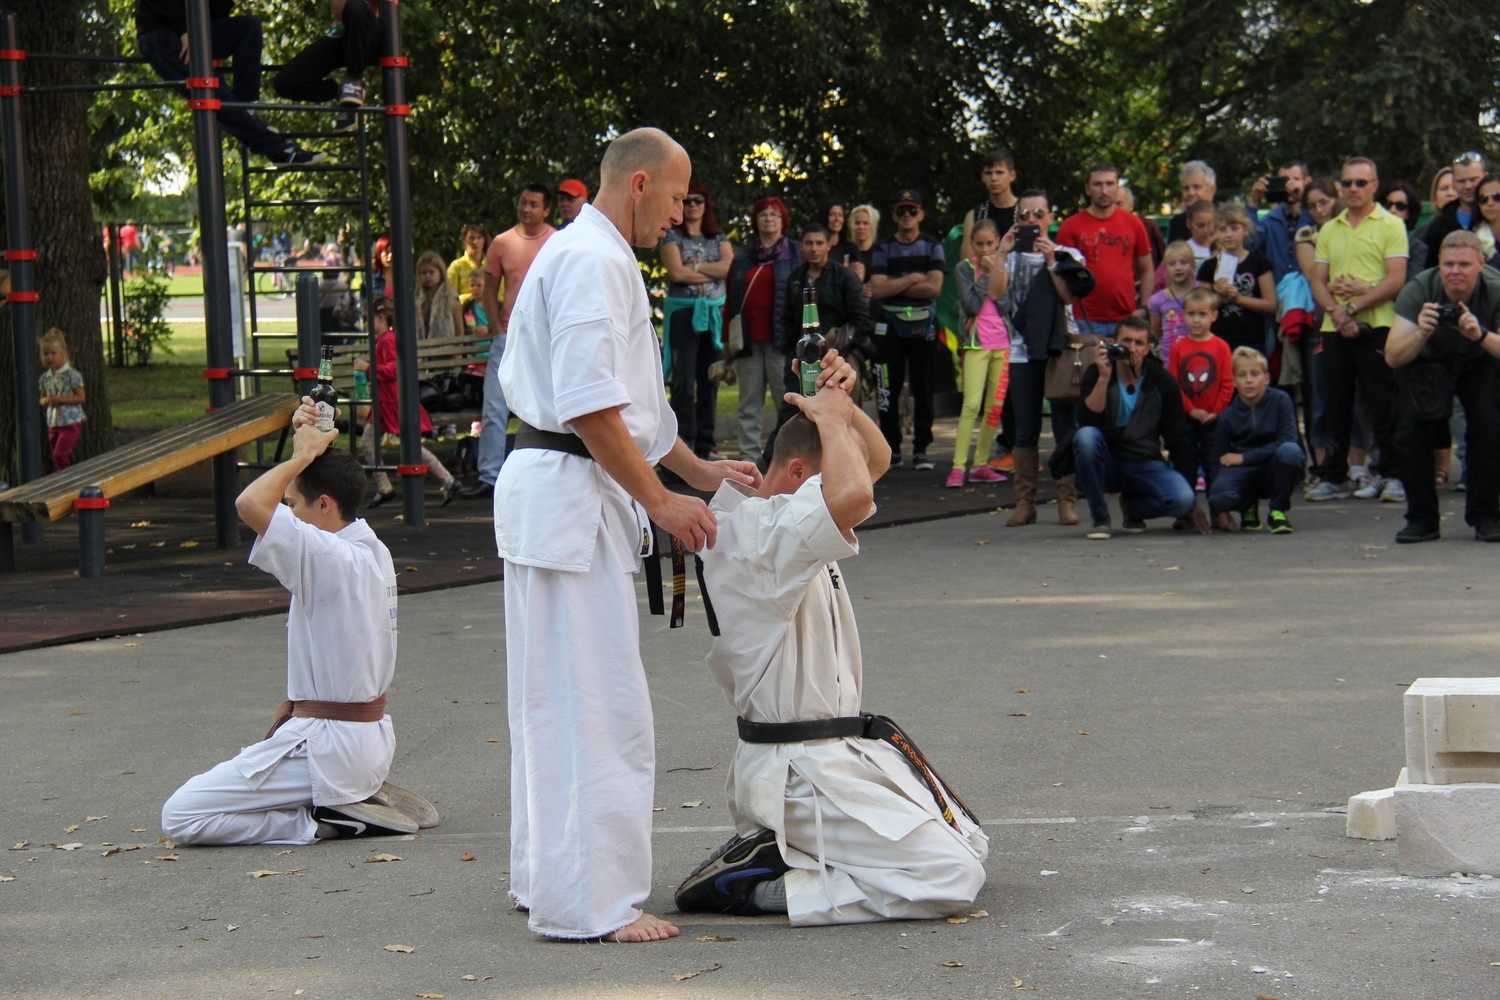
[(94, 819), (7, 878), (404, 949), (953, 965), (979, 913), (690, 975), (1084, 732), (471, 978), (377, 859), (231, 927), (258, 873), (1023, 691), (431, 996), (714, 937), (1020, 715), (21, 845), (112, 850), (466, 856), (692, 805), (169, 857), (189, 544), (958, 920), (71, 829), (1117, 961), (66, 847), (1248, 889)]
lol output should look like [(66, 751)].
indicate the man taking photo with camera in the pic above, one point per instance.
[(1131, 407), (1442, 342)]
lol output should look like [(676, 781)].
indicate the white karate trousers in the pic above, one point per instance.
[(220, 807), (583, 755), (932, 871)]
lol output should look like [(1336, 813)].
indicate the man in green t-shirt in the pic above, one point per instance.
[(1442, 342)]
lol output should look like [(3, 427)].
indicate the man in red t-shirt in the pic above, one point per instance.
[(1117, 250), (506, 262)]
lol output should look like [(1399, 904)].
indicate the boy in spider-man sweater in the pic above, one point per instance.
[(1201, 365)]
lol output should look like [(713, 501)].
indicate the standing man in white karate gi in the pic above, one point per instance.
[(836, 824), (583, 372), (320, 773)]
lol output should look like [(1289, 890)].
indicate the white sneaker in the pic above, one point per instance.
[(1369, 488), (1394, 492)]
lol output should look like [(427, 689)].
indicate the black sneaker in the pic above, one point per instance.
[(1280, 523), (1487, 531), (1250, 518), (1414, 533), (296, 156), (1100, 530), (725, 883), (345, 119), (921, 462), (1129, 523), (362, 819)]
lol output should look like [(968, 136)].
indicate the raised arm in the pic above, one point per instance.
[(260, 499)]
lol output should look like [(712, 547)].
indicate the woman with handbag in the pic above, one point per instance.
[(697, 257), (1042, 283), (756, 292)]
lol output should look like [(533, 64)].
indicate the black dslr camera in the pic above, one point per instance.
[(1449, 313), (1116, 352)]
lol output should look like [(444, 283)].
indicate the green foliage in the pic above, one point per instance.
[(146, 328), (808, 99)]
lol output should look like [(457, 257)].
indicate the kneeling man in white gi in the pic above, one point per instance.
[(835, 823), (320, 772)]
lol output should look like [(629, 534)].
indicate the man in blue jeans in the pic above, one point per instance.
[(1129, 410), (161, 34)]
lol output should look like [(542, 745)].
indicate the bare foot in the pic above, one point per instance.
[(644, 928)]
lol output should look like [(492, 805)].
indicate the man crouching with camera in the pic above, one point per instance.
[(1131, 409), (1443, 342)]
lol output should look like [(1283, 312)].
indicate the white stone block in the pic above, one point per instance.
[(1447, 828), (1453, 730), (1372, 815)]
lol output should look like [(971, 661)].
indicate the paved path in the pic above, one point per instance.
[(1163, 801)]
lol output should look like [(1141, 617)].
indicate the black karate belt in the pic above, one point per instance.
[(708, 605), (865, 726), (652, 560), (528, 436)]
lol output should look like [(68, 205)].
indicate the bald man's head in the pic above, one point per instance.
[(642, 180), (642, 149)]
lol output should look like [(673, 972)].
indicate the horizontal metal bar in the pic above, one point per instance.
[(309, 268), (101, 88), (283, 202), (335, 168), (368, 109), (78, 57)]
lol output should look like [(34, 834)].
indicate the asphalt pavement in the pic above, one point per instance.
[(1160, 732)]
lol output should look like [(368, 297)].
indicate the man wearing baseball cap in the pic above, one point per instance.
[(571, 196), (906, 279)]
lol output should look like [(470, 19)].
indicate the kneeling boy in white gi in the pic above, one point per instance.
[(320, 772), (836, 825)]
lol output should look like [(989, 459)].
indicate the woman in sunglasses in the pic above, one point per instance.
[(1487, 228), (696, 256), (1400, 198)]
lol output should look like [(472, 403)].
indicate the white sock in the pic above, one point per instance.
[(770, 896), (1359, 471)]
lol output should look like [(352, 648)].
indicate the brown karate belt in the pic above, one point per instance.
[(337, 711)]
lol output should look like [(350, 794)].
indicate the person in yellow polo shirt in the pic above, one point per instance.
[(1360, 267)]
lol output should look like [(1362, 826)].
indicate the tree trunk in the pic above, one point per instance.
[(70, 265)]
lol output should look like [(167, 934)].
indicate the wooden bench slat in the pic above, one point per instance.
[(51, 497)]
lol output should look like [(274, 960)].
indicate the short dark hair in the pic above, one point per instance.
[(999, 158), (813, 228), (1036, 193), (337, 474), (798, 438), (1104, 167), (540, 189), (1133, 322)]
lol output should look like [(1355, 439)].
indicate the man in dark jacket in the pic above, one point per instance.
[(840, 300), (1461, 212), (1128, 411), (162, 37)]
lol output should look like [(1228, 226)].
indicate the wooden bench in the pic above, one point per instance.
[(53, 497), (434, 357)]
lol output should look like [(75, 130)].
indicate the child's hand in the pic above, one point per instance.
[(361, 364), (1231, 458), (1199, 415)]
